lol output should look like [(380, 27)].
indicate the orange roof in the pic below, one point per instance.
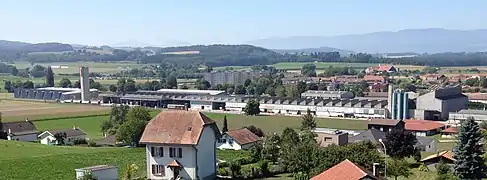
[(176, 127), (346, 170), (476, 96), (445, 154), (174, 163), (450, 130), (373, 78), (384, 67), (422, 125), (243, 136)]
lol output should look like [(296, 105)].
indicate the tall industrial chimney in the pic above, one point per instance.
[(84, 76)]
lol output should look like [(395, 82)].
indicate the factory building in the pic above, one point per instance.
[(478, 115), (54, 93), (215, 100), (437, 104), (327, 94), (230, 77)]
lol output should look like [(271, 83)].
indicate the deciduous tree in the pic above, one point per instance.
[(65, 83), (252, 107), (398, 167), (400, 143)]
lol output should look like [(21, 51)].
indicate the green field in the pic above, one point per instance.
[(26, 161), (73, 67)]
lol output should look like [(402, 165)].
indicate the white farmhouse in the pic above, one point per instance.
[(238, 139), (48, 137), (20, 131), (181, 144)]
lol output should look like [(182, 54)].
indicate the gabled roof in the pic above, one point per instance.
[(424, 140), (422, 125), (444, 154), (346, 170), (450, 130), (372, 135), (243, 136), (177, 127), (20, 127), (174, 163), (373, 78), (69, 132)]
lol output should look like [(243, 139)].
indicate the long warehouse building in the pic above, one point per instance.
[(217, 100)]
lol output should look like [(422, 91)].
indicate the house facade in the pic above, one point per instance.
[(20, 131), (180, 144), (238, 139), (48, 137)]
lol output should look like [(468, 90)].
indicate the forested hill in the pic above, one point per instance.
[(215, 55), (21, 47)]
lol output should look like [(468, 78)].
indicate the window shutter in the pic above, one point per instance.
[(180, 152), (161, 151), (153, 169), (152, 153)]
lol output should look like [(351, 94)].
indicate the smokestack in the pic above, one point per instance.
[(84, 75)]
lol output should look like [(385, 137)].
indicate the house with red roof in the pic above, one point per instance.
[(238, 139), (431, 161), (450, 132), (181, 144), (380, 68), (374, 79), (424, 127), (347, 170)]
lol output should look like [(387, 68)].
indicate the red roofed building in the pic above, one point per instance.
[(432, 160), (450, 132), (424, 127), (380, 68), (346, 170), (238, 139), (373, 79), (180, 144)]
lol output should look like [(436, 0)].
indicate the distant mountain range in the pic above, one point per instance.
[(434, 40)]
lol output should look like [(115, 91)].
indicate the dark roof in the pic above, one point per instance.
[(69, 132), (372, 135), (455, 96), (384, 122), (243, 136), (424, 140), (19, 127), (109, 140), (177, 127)]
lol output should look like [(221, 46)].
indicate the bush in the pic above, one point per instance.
[(264, 167), (79, 141), (222, 172), (223, 164), (92, 144), (277, 169), (245, 160), (235, 168)]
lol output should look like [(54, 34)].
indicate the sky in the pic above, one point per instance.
[(176, 22)]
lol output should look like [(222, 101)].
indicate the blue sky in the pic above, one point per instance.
[(159, 22)]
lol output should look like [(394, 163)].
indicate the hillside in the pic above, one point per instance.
[(14, 46), (433, 40), (215, 55)]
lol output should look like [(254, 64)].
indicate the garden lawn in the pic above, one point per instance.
[(229, 155), (271, 124), (90, 125), (25, 160)]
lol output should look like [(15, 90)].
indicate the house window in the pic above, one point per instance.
[(158, 170), (230, 141), (176, 152), (152, 151), (222, 140), (161, 152)]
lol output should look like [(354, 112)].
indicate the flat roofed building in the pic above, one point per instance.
[(337, 137), (230, 77), (327, 94), (478, 115)]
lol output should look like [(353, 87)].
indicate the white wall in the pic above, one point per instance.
[(50, 140), (188, 161), (206, 156), (229, 143), (105, 174)]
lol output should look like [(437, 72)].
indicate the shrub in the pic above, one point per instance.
[(277, 169), (422, 168), (223, 164), (222, 172), (264, 167), (245, 160), (235, 168), (92, 144), (79, 141)]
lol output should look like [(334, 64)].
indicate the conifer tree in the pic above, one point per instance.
[(225, 125), (469, 163)]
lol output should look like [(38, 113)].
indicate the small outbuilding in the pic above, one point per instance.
[(238, 139), (450, 132), (100, 172), (70, 135), (432, 160)]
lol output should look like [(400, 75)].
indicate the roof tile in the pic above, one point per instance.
[(346, 170), (243, 136)]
